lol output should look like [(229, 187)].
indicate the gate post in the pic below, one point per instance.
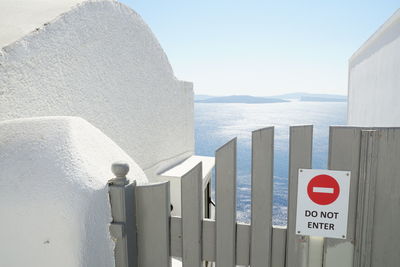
[(366, 198), (118, 212)]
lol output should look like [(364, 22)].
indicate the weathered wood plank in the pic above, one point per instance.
[(344, 154), (176, 236), (153, 212), (225, 193), (300, 157), (242, 239), (366, 198), (386, 221), (261, 194), (130, 208), (192, 213), (208, 236), (278, 246), (242, 244)]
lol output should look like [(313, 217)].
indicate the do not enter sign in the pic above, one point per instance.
[(323, 189), (322, 203)]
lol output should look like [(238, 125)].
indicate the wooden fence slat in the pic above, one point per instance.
[(192, 213), (386, 221), (131, 223), (278, 246), (242, 240), (366, 198), (176, 236), (208, 241), (153, 212), (344, 154), (261, 194), (300, 157), (243, 232), (225, 193)]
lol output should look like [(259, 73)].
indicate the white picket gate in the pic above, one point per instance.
[(159, 236)]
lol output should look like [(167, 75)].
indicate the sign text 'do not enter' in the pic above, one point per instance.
[(322, 203)]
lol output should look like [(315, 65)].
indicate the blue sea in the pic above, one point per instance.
[(216, 124)]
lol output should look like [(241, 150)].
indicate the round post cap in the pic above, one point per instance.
[(120, 169)]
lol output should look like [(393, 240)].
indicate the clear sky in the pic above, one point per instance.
[(263, 48)]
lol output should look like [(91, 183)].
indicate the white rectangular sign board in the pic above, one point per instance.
[(322, 203)]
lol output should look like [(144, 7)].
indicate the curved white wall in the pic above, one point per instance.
[(101, 62), (20, 17), (374, 79), (54, 201)]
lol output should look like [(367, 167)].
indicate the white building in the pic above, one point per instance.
[(99, 61), (374, 78)]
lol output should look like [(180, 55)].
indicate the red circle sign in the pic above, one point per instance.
[(323, 189)]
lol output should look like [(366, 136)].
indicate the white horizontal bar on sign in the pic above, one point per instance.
[(328, 190)]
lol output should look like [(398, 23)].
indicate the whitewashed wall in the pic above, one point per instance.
[(20, 17), (54, 202), (101, 62), (374, 78)]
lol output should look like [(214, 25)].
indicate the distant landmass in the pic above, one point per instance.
[(246, 99), (202, 97), (322, 99), (312, 97), (299, 96)]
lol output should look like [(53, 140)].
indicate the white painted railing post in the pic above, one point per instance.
[(300, 149), (153, 215), (261, 197), (366, 198), (225, 194), (344, 154), (118, 212), (192, 215)]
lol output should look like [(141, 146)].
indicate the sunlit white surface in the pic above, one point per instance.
[(20, 17), (100, 61), (54, 198), (374, 78)]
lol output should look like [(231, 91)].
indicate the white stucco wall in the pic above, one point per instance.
[(101, 62), (374, 79), (20, 17), (53, 193)]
